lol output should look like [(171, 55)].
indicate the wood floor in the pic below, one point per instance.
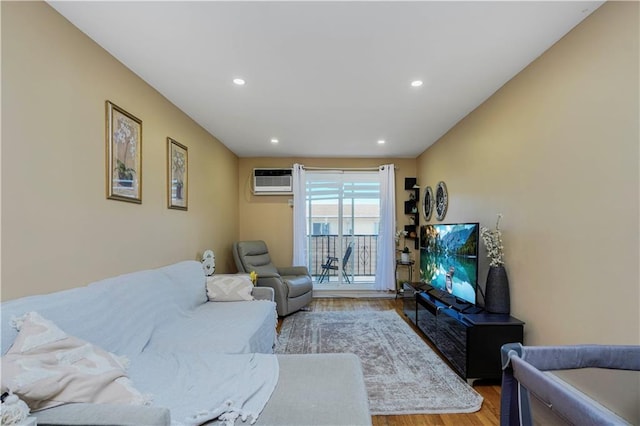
[(489, 414)]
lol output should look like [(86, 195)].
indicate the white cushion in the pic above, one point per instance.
[(229, 288), (46, 367)]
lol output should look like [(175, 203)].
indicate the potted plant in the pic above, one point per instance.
[(497, 299), (405, 255), (179, 186), (125, 174)]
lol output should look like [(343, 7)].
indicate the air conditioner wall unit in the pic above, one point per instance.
[(272, 181)]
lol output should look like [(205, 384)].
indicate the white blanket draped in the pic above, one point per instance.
[(198, 387)]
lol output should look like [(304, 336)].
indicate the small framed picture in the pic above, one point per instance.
[(178, 175), (124, 155)]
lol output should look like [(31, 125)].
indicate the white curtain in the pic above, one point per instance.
[(299, 216), (386, 261)]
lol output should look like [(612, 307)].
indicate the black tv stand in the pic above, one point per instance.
[(465, 334), (472, 309)]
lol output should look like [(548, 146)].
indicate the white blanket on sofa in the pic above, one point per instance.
[(198, 387), (161, 320), (225, 327)]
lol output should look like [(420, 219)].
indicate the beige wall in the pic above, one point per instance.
[(58, 228), (269, 217), (556, 151)]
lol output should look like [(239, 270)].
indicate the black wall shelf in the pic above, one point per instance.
[(412, 209)]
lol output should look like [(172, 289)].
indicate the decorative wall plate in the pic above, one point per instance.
[(442, 200), (427, 203)]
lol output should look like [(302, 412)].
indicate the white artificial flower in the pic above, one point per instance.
[(493, 241)]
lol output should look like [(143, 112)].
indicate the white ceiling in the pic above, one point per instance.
[(328, 79)]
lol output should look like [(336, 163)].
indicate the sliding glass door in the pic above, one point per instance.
[(343, 215)]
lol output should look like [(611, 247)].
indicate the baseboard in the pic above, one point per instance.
[(354, 294)]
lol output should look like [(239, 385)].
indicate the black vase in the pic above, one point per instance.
[(497, 299)]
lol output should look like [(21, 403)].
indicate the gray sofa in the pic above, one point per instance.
[(163, 322)]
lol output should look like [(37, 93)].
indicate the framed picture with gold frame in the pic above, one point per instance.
[(124, 155), (177, 175)]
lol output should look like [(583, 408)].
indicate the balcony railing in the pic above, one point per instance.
[(362, 262)]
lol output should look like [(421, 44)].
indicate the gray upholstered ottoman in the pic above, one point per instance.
[(318, 389)]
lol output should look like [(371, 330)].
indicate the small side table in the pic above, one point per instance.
[(409, 266)]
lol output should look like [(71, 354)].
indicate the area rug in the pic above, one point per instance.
[(402, 373)]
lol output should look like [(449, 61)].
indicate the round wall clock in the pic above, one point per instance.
[(442, 200), (427, 203)]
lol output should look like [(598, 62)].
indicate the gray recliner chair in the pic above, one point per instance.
[(293, 286)]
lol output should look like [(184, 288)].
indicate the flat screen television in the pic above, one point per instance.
[(449, 258)]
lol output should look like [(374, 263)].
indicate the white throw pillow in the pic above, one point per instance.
[(46, 367), (229, 288)]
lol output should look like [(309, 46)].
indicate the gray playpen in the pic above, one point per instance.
[(525, 383)]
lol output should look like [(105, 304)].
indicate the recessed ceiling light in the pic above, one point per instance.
[(238, 81), (416, 83), (274, 140), (381, 141)]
